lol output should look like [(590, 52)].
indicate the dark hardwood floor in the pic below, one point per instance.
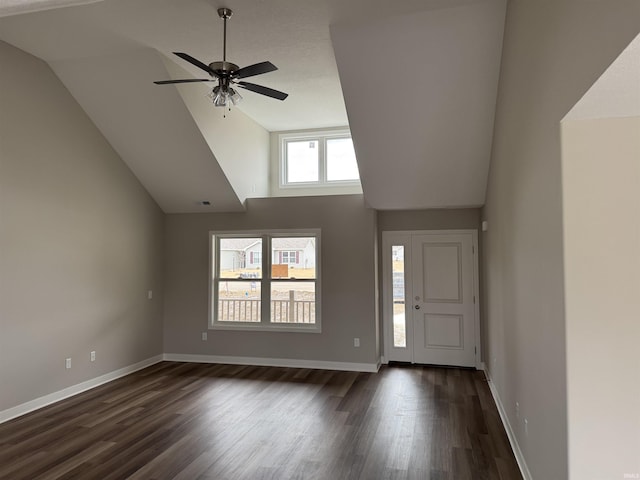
[(198, 421)]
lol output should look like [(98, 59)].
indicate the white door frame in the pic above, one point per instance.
[(403, 237)]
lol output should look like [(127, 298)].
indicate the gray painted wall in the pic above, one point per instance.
[(438, 219), (81, 242), (348, 281), (553, 52)]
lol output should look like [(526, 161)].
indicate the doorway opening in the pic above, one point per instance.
[(430, 297)]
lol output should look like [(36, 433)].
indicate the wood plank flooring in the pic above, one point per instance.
[(198, 421)]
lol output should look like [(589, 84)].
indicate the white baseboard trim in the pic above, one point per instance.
[(524, 470), (274, 362), (22, 409)]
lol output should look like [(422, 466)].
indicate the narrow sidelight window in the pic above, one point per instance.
[(399, 311)]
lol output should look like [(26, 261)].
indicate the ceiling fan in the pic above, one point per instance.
[(228, 74)]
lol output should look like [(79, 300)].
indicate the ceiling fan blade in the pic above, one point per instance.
[(188, 80), (269, 92), (196, 62), (255, 69)]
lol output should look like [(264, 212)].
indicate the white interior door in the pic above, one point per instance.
[(430, 285)]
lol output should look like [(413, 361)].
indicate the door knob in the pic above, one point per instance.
[(417, 307)]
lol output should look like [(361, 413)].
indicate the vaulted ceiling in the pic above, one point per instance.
[(416, 81)]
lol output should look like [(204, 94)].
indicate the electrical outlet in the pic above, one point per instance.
[(526, 427), (67, 363), (356, 342), (517, 410), (204, 336), (93, 356)]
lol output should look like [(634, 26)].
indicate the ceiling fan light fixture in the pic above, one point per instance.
[(236, 98), (222, 96), (220, 100), (218, 97)]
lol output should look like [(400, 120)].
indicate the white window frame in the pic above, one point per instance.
[(265, 282), (321, 137)]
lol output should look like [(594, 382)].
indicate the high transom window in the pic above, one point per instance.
[(266, 280), (318, 159)]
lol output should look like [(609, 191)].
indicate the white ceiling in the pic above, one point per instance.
[(419, 79), (429, 133)]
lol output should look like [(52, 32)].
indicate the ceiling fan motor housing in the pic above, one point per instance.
[(223, 69)]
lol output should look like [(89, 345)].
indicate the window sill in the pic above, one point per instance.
[(318, 190), (246, 327), (327, 185)]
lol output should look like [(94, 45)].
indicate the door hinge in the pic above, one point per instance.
[(474, 299), (473, 249), (475, 350)]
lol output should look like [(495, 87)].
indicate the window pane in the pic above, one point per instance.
[(399, 314), (293, 302), (341, 160), (293, 257), (302, 161), (240, 258), (238, 301)]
